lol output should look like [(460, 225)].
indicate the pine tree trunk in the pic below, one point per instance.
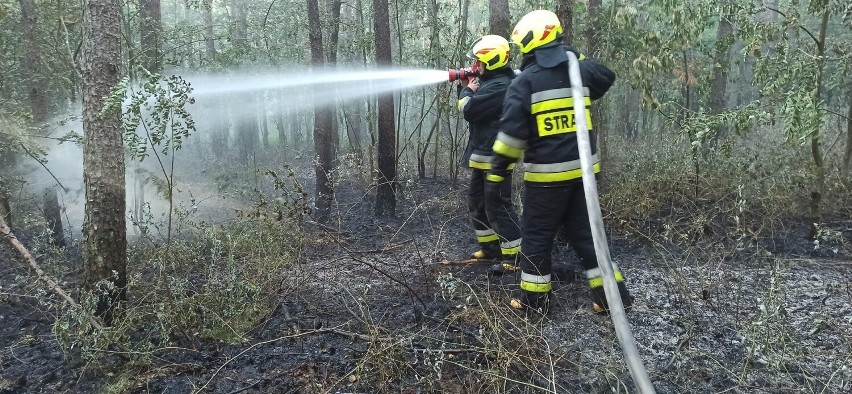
[(322, 123), (150, 28), (5, 194), (209, 43), (565, 12), (354, 129), (386, 190), (721, 61), (219, 135), (240, 17), (280, 122), (333, 39), (53, 218), (846, 169), (498, 20), (104, 231), (32, 62), (593, 50), (818, 190), (263, 123)]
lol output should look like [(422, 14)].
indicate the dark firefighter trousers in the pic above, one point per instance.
[(493, 215), (546, 211)]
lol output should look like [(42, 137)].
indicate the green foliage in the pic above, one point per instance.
[(214, 283), (157, 109), (291, 200)]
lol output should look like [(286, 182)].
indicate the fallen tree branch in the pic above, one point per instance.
[(6, 233)]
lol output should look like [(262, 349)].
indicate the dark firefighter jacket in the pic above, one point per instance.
[(481, 109), (538, 119)]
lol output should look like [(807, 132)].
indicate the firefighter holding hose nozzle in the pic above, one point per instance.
[(481, 91), (538, 122)]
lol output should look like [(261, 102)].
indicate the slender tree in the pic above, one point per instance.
[(7, 163), (846, 169), (498, 20), (593, 50), (53, 217), (719, 83), (818, 189), (209, 43), (565, 12), (333, 41), (150, 30), (322, 122), (385, 193), (239, 10), (104, 230), (32, 62)]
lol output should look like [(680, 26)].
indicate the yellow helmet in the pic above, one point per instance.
[(491, 50), (536, 29)]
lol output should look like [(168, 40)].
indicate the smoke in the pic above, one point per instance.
[(63, 172)]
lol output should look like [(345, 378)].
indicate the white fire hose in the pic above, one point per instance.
[(590, 187)]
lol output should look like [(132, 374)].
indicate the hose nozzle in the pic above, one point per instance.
[(462, 73)]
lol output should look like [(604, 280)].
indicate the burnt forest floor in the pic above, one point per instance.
[(373, 308)]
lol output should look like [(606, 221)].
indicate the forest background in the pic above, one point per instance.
[(170, 165)]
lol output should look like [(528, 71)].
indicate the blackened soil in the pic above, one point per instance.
[(373, 309)]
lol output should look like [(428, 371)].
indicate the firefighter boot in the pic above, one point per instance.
[(599, 303), (488, 253), (508, 265), (534, 296), (531, 303)]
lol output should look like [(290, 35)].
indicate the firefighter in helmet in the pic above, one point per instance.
[(481, 102), (538, 123)]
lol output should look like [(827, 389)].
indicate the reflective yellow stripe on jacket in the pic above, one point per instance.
[(463, 103), (554, 111), (556, 172), (482, 162), (509, 146)]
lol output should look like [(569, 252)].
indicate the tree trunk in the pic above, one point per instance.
[(32, 62), (53, 218), (565, 12), (247, 132), (593, 50), (386, 190), (220, 134), (721, 61), (263, 122), (816, 148), (240, 15), (333, 39), (150, 28), (209, 43), (5, 193), (322, 123), (104, 231), (354, 129), (846, 169), (498, 20), (280, 119)]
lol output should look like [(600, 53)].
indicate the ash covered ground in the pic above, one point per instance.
[(372, 308)]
